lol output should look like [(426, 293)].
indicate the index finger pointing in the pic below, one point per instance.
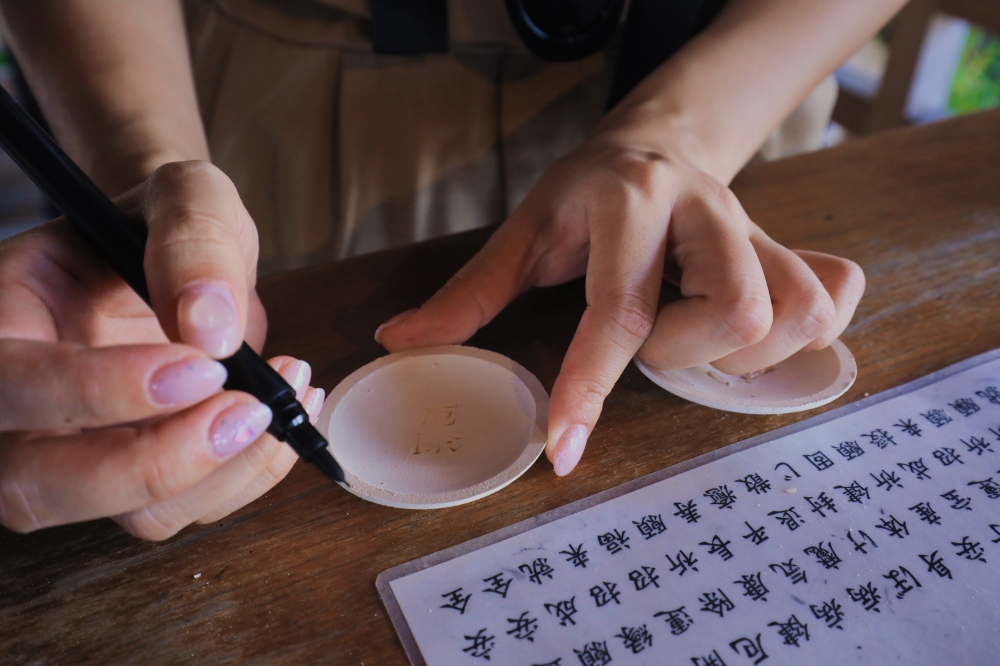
[(623, 280)]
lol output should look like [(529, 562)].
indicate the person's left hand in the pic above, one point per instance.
[(630, 218)]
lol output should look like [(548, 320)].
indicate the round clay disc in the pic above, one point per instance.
[(435, 427), (802, 381)]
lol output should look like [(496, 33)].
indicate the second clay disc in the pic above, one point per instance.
[(805, 380)]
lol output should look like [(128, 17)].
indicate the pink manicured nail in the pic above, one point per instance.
[(314, 402), (570, 449), (208, 320), (300, 373), (186, 382), (238, 427), (401, 317)]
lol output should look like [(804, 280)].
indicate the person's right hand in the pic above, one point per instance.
[(110, 408)]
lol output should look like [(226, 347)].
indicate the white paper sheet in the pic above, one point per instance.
[(882, 526)]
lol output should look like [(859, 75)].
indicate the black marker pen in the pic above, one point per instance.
[(122, 245)]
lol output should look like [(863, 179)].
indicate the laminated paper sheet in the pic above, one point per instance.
[(867, 535)]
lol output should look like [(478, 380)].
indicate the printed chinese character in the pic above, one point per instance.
[(595, 654), (644, 578), (650, 526), (830, 612), (576, 555), (887, 479), (880, 438), (819, 460), (498, 585), (901, 578), (757, 535), (965, 406), (614, 541), (947, 456), (722, 497), (789, 517), (854, 492), (989, 487), (791, 570), (861, 545), (456, 601), (916, 467), (958, 502), (540, 567), (717, 545), (849, 450), (894, 527), (909, 427), (996, 530), (752, 586), (867, 596), (791, 631), (688, 512), (716, 602), (825, 556), (970, 551), (636, 639), (481, 645), (708, 660), (563, 610), (755, 483), (605, 595), (926, 513), (790, 468), (752, 649), (936, 564), (678, 620), (684, 562), (990, 393), (937, 417), (821, 503), (524, 627), (977, 445)]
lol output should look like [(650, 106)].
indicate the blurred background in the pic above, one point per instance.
[(936, 59)]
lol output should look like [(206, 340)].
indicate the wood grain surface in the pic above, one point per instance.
[(290, 579)]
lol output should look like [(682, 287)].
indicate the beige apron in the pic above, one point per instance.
[(337, 151)]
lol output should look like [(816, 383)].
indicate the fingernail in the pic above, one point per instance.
[(208, 320), (238, 427), (186, 382), (301, 373), (570, 449), (314, 402), (401, 317)]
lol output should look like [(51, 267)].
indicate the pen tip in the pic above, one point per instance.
[(325, 462)]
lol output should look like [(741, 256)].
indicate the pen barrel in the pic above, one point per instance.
[(74, 194), (290, 422)]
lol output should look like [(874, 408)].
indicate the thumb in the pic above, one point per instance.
[(200, 256), (469, 300)]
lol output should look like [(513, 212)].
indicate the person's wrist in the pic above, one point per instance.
[(667, 136)]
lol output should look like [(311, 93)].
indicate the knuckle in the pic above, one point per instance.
[(159, 482), (632, 317), (746, 320), (814, 313), (149, 524), (590, 392)]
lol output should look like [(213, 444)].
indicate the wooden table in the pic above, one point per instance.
[(290, 579)]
